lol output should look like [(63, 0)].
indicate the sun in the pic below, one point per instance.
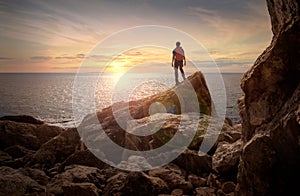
[(116, 67), (116, 64)]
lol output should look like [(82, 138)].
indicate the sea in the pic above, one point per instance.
[(49, 96)]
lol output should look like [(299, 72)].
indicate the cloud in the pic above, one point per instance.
[(40, 58), (78, 56), (7, 59), (129, 53)]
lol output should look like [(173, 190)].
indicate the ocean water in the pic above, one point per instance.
[(48, 96)]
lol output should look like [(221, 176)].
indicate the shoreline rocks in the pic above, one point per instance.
[(55, 161)]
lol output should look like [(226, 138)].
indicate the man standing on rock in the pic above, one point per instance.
[(178, 61)]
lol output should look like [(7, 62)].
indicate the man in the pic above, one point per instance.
[(178, 61)]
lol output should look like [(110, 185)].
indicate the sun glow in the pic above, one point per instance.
[(116, 66)]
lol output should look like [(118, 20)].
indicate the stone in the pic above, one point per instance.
[(140, 109), (228, 187), (174, 177), (213, 181), (18, 151), (200, 164), (13, 182), (85, 158), (226, 158), (205, 191), (76, 174), (115, 184), (80, 189), (139, 183), (4, 157), (57, 149), (270, 156), (22, 119), (37, 175), (30, 136), (197, 181), (177, 192)]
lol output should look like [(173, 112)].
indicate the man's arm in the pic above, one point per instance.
[(173, 58)]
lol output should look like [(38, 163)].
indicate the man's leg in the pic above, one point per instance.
[(176, 74), (182, 72)]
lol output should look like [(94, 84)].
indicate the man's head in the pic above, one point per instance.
[(177, 44)]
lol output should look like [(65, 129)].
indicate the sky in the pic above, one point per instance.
[(60, 36)]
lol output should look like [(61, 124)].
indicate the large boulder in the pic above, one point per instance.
[(171, 101), (270, 109)]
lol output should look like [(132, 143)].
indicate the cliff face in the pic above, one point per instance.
[(270, 109)]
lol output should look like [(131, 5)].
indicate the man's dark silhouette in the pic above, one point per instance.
[(178, 61)]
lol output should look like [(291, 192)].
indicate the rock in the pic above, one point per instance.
[(18, 151), (140, 109), (76, 174), (174, 177), (138, 183), (282, 13), (213, 181), (13, 182), (274, 77), (177, 192), (226, 159), (228, 187), (135, 163), (22, 119), (115, 184), (80, 189), (4, 157), (85, 158), (205, 191), (200, 164), (57, 149), (270, 156), (197, 181), (38, 175), (30, 136)]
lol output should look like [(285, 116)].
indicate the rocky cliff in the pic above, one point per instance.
[(270, 109)]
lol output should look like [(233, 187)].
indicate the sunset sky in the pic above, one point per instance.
[(56, 36)]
